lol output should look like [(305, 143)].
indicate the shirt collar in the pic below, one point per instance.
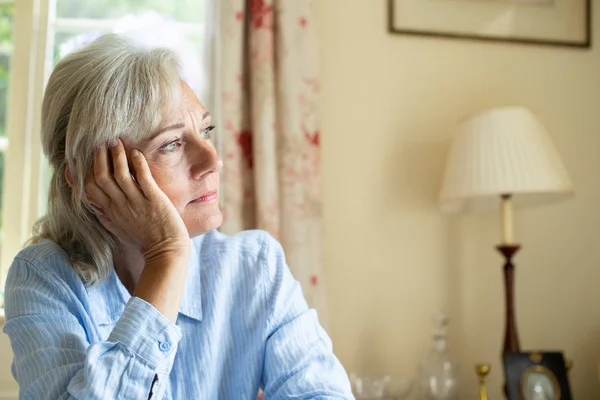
[(191, 302), (108, 298)]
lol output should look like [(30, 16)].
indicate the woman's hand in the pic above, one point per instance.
[(135, 210)]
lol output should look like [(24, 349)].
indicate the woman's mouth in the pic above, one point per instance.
[(205, 198)]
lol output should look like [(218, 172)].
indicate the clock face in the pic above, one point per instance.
[(538, 383), (536, 376)]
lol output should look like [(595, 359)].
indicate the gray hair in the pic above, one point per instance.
[(108, 89)]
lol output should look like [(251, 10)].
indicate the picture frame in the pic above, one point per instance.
[(529, 373), (566, 23)]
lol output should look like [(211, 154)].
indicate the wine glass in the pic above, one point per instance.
[(366, 387)]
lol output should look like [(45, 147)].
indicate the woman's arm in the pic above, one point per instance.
[(143, 219), (54, 355), (299, 360), (51, 334)]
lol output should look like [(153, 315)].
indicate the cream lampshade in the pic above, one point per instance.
[(502, 152)]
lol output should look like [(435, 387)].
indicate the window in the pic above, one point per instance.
[(7, 9), (6, 27), (46, 31)]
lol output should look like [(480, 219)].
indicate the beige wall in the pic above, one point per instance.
[(7, 384), (388, 105)]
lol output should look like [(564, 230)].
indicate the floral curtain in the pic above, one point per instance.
[(270, 135)]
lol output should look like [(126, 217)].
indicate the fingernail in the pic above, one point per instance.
[(135, 153), (114, 142)]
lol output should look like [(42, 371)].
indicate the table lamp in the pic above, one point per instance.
[(499, 159)]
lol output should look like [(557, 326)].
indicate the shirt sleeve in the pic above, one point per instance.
[(299, 358), (53, 356)]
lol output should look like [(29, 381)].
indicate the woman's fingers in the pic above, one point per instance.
[(122, 173), (96, 196), (107, 224), (107, 186), (143, 176), (104, 178), (132, 207)]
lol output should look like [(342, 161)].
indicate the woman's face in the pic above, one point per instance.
[(185, 164)]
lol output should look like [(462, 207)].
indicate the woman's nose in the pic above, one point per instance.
[(204, 159)]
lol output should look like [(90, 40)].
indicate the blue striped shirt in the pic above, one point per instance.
[(243, 324)]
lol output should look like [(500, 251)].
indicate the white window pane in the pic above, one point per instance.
[(6, 28), (6, 47), (177, 24), (180, 10)]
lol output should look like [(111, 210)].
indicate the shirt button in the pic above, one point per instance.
[(164, 346)]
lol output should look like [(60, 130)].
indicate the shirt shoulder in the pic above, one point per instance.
[(249, 258), (48, 257), (250, 245), (38, 270)]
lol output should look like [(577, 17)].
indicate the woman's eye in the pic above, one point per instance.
[(171, 146), (207, 132)]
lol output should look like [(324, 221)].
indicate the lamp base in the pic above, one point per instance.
[(511, 338)]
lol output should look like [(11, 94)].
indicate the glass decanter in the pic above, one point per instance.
[(439, 374)]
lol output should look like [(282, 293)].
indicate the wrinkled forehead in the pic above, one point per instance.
[(188, 100), (188, 109), (187, 106)]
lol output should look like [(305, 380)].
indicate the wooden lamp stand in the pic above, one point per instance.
[(511, 338)]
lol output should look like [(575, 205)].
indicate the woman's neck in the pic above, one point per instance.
[(128, 264)]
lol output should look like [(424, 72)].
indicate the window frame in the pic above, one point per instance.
[(23, 160)]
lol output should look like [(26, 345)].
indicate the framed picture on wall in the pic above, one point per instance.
[(542, 22)]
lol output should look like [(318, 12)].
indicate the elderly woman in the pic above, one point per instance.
[(127, 291)]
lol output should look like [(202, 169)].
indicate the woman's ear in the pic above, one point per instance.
[(69, 176)]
